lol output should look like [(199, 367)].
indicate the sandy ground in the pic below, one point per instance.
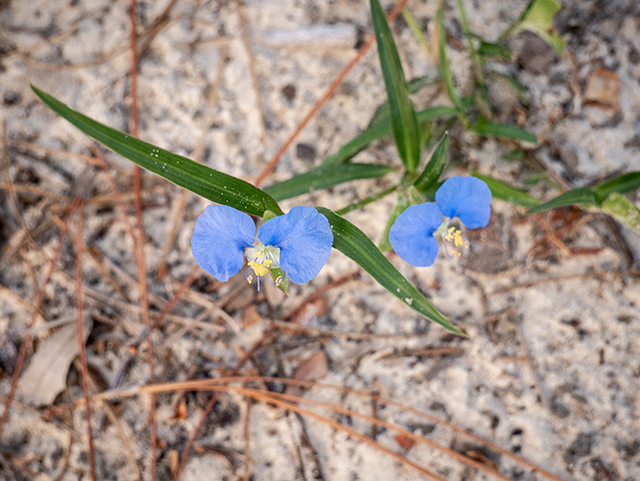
[(550, 370)]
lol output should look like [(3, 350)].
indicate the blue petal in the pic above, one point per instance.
[(467, 198), (411, 235), (304, 238), (220, 235)]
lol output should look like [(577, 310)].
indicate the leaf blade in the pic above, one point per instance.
[(208, 183), (380, 130), (502, 191), (403, 116), (434, 167), (323, 178), (504, 131), (581, 196), (353, 243), (621, 184)]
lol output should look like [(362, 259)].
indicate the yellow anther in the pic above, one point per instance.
[(455, 235), (249, 279), (278, 281), (260, 268)]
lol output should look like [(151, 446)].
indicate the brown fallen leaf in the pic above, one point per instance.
[(46, 376), (603, 89)]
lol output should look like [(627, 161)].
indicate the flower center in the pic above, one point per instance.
[(454, 236), (261, 259)]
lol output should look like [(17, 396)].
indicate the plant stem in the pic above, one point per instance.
[(366, 200)]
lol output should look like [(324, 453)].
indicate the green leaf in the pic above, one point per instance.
[(495, 50), (324, 177), (445, 70), (403, 116), (621, 184), (209, 183), (581, 196), (353, 243), (623, 210), (383, 129), (382, 112), (504, 131), (279, 279), (538, 18), (502, 191), (432, 171)]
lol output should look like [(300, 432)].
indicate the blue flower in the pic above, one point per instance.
[(412, 235), (298, 242)]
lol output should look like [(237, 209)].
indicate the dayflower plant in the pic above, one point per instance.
[(412, 235), (298, 242)]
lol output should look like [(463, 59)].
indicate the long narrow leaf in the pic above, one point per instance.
[(621, 184), (581, 196), (353, 243), (324, 177), (502, 191), (504, 131), (209, 183), (403, 116), (379, 131), (432, 171), (382, 112)]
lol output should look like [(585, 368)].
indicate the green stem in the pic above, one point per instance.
[(366, 200), (415, 29), (474, 54)]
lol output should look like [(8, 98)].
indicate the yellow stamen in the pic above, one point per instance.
[(455, 235), (278, 281), (260, 267)]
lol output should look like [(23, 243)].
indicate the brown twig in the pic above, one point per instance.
[(80, 326), (34, 315), (214, 398), (246, 357), (328, 93), (208, 383), (139, 244)]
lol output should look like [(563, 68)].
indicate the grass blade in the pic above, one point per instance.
[(209, 183), (502, 191), (324, 177), (403, 116), (380, 130), (621, 184), (504, 131), (353, 243), (581, 196), (432, 171)]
